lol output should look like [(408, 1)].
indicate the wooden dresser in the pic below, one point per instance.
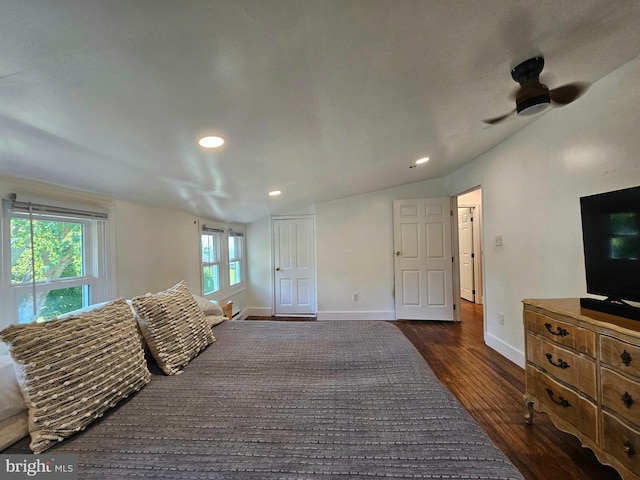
[(583, 370)]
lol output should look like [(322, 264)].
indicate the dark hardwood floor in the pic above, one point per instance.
[(491, 387)]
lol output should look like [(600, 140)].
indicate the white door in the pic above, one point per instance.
[(295, 269), (465, 248), (423, 259)]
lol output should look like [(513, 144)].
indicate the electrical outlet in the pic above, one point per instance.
[(498, 240), (501, 318), (354, 297)]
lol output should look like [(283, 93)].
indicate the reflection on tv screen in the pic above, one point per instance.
[(624, 240)]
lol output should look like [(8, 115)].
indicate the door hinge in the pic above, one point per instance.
[(454, 306), (473, 255), (451, 213), (452, 260), (473, 291)]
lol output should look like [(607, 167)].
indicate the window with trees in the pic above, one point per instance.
[(211, 242), (222, 260), (55, 260), (236, 247)]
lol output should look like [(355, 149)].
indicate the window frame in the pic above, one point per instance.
[(96, 278), (217, 234), (227, 231), (236, 232)]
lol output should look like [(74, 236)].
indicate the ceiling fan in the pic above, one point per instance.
[(533, 96)]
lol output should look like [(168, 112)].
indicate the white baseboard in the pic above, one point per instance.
[(325, 315), (242, 314), (351, 315), (257, 312), (505, 350)]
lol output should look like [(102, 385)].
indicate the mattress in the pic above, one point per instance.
[(291, 400)]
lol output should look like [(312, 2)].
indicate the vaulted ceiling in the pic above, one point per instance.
[(321, 99)]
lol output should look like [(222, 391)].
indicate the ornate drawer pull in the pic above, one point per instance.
[(561, 401), (561, 363), (627, 400), (628, 449), (626, 358), (560, 332)]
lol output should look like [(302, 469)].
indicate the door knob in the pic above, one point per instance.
[(278, 269), (397, 254)]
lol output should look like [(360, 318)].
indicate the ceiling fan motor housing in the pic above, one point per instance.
[(533, 104), (533, 95)]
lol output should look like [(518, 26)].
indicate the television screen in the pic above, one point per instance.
[(611, 236)]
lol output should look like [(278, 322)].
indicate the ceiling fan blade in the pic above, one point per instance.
[(493, 121), (567, 93)]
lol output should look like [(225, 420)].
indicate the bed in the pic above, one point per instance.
[(291, 400)]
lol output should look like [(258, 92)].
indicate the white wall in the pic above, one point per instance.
[(156, 248), (260, 268), (531, 186), (152, 248), (473, 197), (354, 252)]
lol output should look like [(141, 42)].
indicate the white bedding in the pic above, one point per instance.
[(13, 409)]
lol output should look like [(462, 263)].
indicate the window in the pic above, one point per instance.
[(222, 260), (54, 258), (236, 247), (211, 240)]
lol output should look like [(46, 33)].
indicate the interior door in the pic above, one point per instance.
[(466, 253), (423, 266), (295, 271)]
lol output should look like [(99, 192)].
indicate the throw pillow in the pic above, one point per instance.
[(173, 326), (207, 306), (73, 370)]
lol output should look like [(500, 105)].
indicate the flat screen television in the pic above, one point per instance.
[(611, 239)]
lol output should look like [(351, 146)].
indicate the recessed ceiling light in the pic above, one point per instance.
[(211, 142), (420, 161), (275, 193)]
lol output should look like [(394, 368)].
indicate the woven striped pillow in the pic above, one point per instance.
[(173, 326), (72, 370)]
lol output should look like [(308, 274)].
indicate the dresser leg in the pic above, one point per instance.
[(528, 418)]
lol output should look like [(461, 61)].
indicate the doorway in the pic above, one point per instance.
[(470, 246), (423, 266), (295, 266), (466, 253)]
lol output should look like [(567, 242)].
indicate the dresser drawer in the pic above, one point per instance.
[(563, 402), (620, 355), (576, 370), (583, 370), (560, 332), (622, 442), (621, 395)]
